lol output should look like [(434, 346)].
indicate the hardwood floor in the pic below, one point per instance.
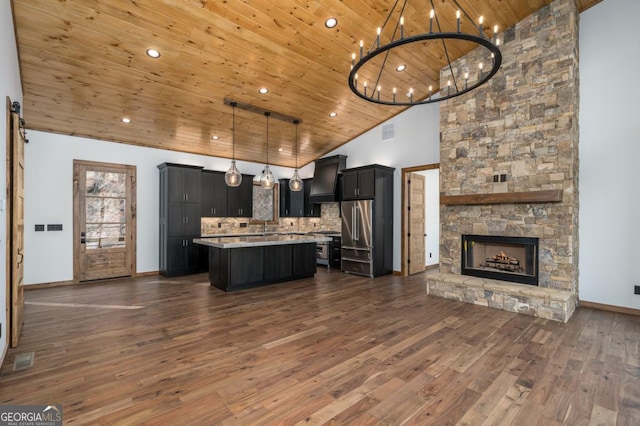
[(337, 349)]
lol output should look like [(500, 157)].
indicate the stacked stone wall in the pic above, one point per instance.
[(523, 123)]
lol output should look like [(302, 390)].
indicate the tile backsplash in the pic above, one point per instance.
[(329, 221)]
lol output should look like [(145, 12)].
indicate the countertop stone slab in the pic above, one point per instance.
[(259, 240)]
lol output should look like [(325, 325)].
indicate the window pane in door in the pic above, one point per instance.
[(106, 184), (105, 236), (105, 210)]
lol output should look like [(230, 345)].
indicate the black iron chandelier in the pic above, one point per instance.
[(383, 73)]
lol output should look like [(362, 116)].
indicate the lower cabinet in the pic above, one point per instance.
[(244, 267), (183, 256)]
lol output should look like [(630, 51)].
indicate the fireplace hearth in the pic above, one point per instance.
[(513, 259)]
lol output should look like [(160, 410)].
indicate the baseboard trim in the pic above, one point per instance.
[(397, 273), (610, 308), (71, 282), (147, 274), (430, 267), (47, 285)]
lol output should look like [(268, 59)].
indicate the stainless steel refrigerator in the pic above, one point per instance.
[(357, 237)]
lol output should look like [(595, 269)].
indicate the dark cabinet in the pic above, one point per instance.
[(291, 202), (213, 194), (278, 262), (179, 219), (240, 198), (358, 183), (304, 258), (239, 268), (335, 252), (220, 200), (310, 209), (184, 184)]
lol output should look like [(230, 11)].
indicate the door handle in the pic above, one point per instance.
[(83, 238), (21, 256)]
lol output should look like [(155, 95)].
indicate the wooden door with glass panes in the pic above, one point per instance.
[(104, 220)]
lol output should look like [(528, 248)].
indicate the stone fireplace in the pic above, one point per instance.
[(509, 167)]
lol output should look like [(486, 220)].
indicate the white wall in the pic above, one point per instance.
[(416, 143), (9, 86), (49, 197), (609, 153), (432, 216)]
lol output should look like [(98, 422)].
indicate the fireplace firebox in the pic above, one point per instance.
[(513, 259)]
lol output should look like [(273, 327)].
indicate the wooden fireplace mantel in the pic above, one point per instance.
[(548, 196)]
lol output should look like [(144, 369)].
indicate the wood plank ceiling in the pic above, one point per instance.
[(84, 67)]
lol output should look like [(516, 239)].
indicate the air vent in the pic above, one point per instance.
[(23, 361), (388, 132)]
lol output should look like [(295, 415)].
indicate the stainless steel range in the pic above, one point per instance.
[(324, 250)]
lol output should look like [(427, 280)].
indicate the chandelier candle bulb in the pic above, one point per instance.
[(480, 22), (411, 94), (495, 35), (378, 38), (458, 19), (431, 14), (402, 27), (394, 94), (365, 88), (361, 47)]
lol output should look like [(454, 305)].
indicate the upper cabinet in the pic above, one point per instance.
[(220, 200), (240, 198), (183, 183), (213, 194), (310, 209), (359, 183), (291, 202)]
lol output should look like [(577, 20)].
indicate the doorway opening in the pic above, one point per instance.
[(420, 227), (104, 220)]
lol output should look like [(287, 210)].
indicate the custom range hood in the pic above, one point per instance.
[(325, 187)]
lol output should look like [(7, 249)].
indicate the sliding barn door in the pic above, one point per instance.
[(15, 220)]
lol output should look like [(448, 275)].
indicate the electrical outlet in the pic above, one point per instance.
[(636, 289), (219, 224), (39, 228), (503, 178), (496, 178)]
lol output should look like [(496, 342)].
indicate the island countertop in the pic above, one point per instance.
[(259, 240)]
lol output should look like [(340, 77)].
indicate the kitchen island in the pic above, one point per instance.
[(239, 262)]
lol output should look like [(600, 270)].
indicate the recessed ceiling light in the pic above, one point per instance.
[(331, 22), (215, 137), (280, 149), (153, 53), (401, 67), (263, 90), (333, 114), (125, 120)]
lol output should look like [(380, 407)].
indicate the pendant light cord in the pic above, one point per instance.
[(267, 114), (296, 123), (233, 131)]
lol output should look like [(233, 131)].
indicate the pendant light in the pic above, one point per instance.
[(295, 183), (233, 177), (266, 179)]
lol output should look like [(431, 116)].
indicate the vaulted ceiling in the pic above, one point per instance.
[(84, 67)]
